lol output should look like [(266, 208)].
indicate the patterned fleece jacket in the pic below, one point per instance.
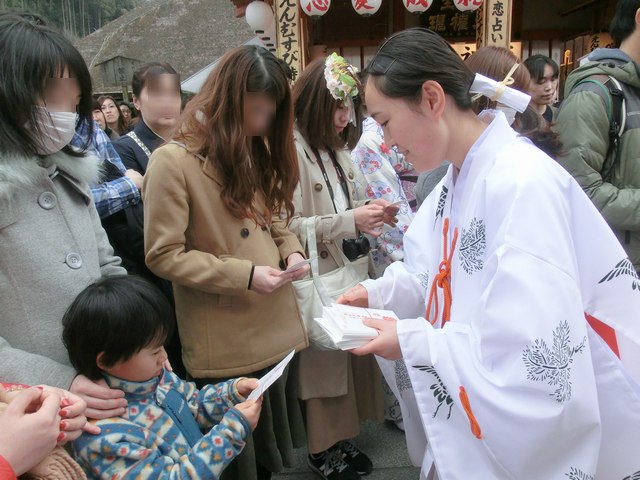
[(146, 443)]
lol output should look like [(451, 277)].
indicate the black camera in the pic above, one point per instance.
[(355, 248)]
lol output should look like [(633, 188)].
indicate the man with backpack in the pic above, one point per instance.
[(599, 125)]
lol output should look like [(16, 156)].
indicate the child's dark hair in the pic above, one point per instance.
[(623, 23), (410, 58), (536, 65), (32, 53), (116, 316)]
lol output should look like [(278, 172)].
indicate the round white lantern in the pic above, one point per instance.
[(467, 5), (262, 21), (366, 7), (315, 8), (417, 6)]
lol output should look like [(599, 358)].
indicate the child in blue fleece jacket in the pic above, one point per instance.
[(115, 329)]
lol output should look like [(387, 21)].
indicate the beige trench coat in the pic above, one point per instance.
[(326, 374)]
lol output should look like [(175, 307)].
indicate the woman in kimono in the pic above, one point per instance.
[(524, 365), (378, 166)]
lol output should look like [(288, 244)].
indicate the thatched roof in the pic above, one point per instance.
[(188, 34)]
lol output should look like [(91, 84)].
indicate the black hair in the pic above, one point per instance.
[(536, 65), (150, 70), (117, 316), (411, 57), (623, 23), (32, 53)]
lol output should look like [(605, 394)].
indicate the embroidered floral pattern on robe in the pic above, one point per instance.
[(553, 365)]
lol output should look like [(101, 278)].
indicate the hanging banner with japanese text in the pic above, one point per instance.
[(495, 23), (288, 35), (447, 20)]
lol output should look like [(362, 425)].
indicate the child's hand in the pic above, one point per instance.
[(246, 385), (251, 411)]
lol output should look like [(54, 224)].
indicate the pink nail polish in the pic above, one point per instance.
[(63, 413), (63, 425), (61, 437)]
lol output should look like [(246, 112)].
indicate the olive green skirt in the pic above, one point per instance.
[(280, 429)]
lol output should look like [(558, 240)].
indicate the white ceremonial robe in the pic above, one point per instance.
[(547, 397)]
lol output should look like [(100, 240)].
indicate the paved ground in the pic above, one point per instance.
[(384, 444)]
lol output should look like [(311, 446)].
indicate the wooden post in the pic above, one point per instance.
[(493, 23), (288, 34)]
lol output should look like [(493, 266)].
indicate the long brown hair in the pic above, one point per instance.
[(495, 63), (121, 128), (212, 126), (314, 110)]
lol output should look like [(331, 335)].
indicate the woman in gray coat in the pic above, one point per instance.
[(51, 242)]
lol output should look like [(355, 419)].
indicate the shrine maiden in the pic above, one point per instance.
[(526, 365)]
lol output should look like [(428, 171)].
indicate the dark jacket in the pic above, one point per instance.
[(132, 155)]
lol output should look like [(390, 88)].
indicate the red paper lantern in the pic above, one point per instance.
[(366, 7), (315, 8), (467, 5), (417, 6)]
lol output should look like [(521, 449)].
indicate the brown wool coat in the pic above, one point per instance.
[(193, 240)]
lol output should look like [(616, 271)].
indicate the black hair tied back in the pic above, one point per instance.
[(411, 57)]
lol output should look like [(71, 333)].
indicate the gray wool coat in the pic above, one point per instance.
[(52, 246)]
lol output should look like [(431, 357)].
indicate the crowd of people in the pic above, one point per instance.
[(152, 262)]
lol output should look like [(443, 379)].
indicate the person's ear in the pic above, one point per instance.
[(433, 99), (136, 102), (100, 361), (637, 18)]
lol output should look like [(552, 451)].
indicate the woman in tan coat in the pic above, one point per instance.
[(212, 199), (338, 390)]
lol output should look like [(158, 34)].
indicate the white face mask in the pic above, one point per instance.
[(55, 130)]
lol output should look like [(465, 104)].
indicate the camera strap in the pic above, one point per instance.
[(339, 173)]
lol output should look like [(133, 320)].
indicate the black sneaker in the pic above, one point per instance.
[(331, 465), (355, 458)]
